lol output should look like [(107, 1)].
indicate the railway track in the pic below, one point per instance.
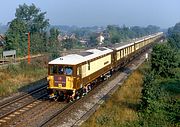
[(73, 114), (20, 104)]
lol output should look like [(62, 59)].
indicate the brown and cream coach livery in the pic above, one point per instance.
[(73, 75)]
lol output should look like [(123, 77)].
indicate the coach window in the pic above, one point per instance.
[(68, 71), (122, 54)]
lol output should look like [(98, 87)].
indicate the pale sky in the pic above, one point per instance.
[(163, 13)]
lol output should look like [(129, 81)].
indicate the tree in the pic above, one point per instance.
[(54, 44), (174, 36), (27, 19), (16, 37), (67, 44), (174, 40), (93, 40), (38, 44), (163, 60), (54, 34), (32, 17)]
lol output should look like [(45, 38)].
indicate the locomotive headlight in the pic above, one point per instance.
[(48, 78)]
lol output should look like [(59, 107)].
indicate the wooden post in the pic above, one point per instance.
[(29, 57)]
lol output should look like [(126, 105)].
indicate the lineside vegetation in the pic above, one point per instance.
[(122, 106), (15, 77)]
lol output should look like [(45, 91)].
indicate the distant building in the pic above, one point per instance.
[(84, 42), (73, 37), (64, 37), (60, 38), (100, 39)]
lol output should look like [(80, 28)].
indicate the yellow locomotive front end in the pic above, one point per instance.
[(61, 80)]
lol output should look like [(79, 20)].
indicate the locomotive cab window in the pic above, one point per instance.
[(60, 70), (53, 69), (68, 71)]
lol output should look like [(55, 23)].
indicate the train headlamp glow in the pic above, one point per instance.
[(48, 79)]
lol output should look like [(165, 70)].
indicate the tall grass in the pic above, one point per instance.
[(121, 107), (16, 76)]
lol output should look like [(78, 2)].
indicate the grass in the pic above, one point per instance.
[(15, 77), (122, 107)]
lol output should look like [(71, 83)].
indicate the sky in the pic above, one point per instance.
[(163, 13)]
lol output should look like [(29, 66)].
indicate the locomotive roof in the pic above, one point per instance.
[(74, 59)]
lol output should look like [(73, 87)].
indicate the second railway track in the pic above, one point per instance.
[(21, 103)]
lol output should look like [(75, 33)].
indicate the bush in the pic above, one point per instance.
[(12, 68), (54, 56), (23, 65)]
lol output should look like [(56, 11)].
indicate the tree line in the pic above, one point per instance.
[(31, 19), (118, 34), (45, 38)]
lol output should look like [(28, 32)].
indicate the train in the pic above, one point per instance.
[(74, 75)]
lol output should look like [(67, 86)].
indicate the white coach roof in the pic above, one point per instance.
[(74, 59)]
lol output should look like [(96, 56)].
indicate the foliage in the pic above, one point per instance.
[(16, 76), (93, 40), (27, 19), (160, 103), (54, 34), (118, 34), (32, 17), (16, 37), (68, 44), (53, 44), (164, 60), (162, 107), (37, 45), (174, 36), (174, 40)]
